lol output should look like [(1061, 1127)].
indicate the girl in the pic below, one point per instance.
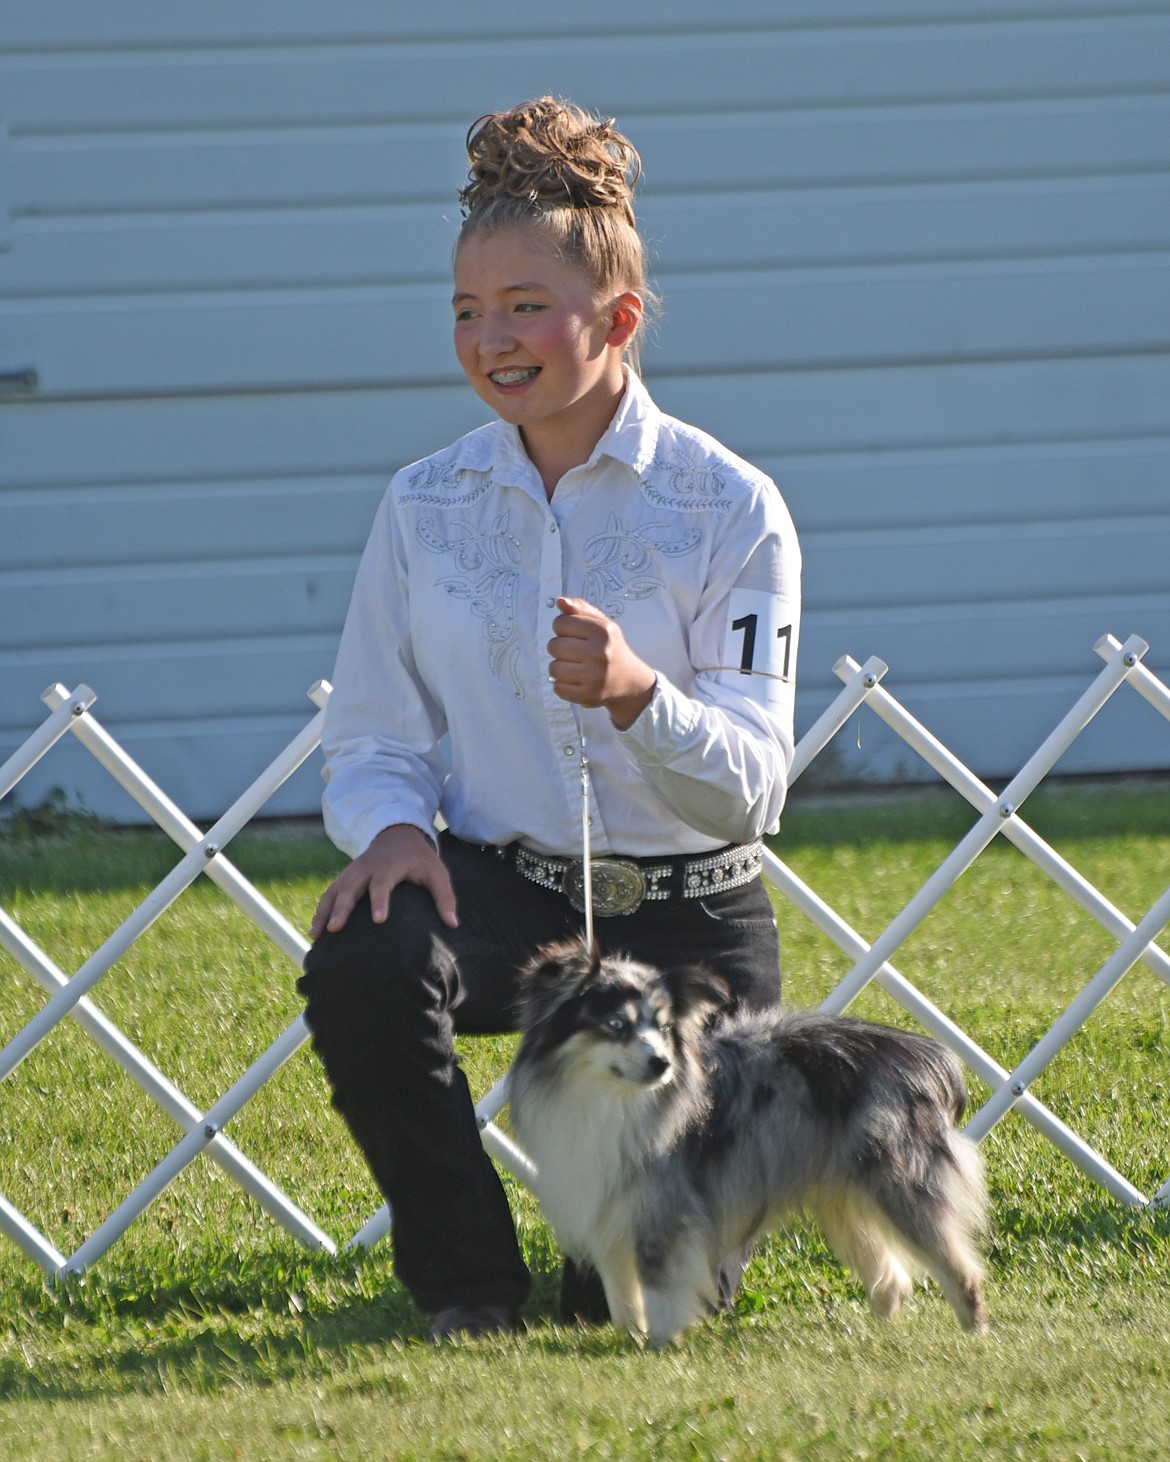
[(583, 571)]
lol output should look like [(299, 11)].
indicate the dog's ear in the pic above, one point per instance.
[(697, 991), (556, 973)]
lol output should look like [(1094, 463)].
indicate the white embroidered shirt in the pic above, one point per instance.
[(441, 698)]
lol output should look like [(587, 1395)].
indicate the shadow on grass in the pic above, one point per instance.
[(1099, 1229), (246, 1324), (129, 1332)]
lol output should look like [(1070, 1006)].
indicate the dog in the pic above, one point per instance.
[(667, 1134)]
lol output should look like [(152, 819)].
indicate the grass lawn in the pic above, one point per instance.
[(206, 1332)]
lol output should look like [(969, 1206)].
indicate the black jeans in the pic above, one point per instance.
[(384, 1002)]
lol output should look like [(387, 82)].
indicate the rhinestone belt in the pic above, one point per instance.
[(621, 885)]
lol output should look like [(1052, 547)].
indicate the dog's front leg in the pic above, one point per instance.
[(679, 1290), (623, 1290)]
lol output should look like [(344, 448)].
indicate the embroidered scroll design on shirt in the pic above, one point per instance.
[(619, 562), (675, 481), (438, 484), (488, 560)]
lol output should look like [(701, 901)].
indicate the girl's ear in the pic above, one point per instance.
[(625, 315)]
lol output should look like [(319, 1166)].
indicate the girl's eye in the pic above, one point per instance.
[(529, 307)]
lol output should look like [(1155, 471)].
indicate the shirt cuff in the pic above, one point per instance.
[(664, 726)]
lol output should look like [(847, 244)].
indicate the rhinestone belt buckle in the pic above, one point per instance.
[(618, 887)]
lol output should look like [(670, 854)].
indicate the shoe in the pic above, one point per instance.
[(582, 1299), (470, 1322)]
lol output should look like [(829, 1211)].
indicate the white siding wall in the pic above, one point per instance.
[(916, 263)]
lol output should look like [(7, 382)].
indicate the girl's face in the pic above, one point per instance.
[(535, 343)]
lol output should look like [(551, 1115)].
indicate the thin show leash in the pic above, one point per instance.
[(586, 844), (586, 847)]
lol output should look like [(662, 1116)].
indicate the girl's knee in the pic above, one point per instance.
[(383, 982)]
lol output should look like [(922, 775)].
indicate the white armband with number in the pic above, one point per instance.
[(759, 646)]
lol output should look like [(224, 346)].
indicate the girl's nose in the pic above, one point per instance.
[(495, 338)]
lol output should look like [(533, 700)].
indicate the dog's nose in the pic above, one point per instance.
[(657, 1065)]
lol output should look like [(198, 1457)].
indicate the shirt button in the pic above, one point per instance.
[(570, 750), (551, 602), (552, 527)]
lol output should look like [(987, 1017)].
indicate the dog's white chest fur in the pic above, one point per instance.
[(582, 1135)]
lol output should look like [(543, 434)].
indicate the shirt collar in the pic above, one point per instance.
[(631, 438)]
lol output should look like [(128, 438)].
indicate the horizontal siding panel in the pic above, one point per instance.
[(76, 607), (926, 406), (299, 433), (768, 230), (849, 66), (769, 320), (896, 223), (889, 315), (926, 577), (168, 684), (139, 23), (993, 728), (852, 492), (410, 161), (202, 766), (759, 416), (168, 522), (293, 166), (934, 239), (1005, 640), (258, 250), (1056, 560)]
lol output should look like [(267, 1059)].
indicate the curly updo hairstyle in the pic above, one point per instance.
[(552, 166)]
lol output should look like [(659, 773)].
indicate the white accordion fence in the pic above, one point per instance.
[(203, 1131)]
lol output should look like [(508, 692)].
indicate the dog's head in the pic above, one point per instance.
[(632, 1021)]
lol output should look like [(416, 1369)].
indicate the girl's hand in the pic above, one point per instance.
[(591, 664), (399, 854)]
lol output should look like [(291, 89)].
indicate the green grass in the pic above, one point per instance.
[(207, 1332)]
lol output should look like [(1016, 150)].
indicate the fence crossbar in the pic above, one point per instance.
[(1140, 676), (939, 1025), (202, 853), (43, 739), (24, 1235), (162, 1092), (989, 824), (185, 872), (1119, 963), (178, 827), (70, 713), (1014, 828)]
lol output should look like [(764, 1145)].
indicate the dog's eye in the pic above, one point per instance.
[(618, 1024)]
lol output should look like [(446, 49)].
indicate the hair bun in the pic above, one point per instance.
[(550, 154)]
